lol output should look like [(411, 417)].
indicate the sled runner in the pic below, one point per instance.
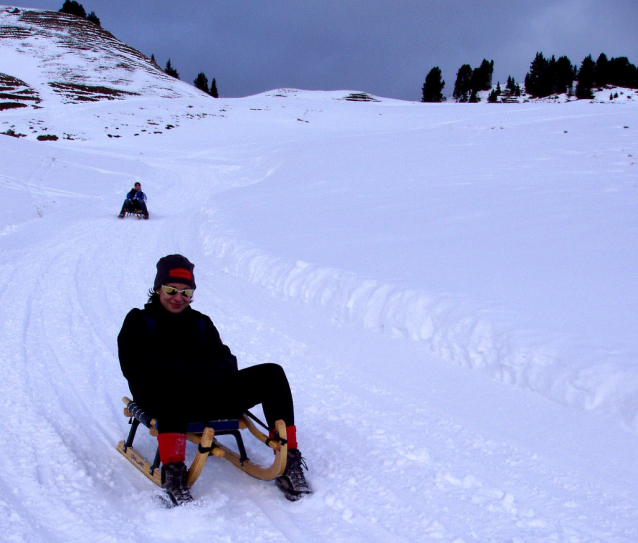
[(203, 435), (136, 213)]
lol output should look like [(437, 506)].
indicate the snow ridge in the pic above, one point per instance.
[(453, 328)]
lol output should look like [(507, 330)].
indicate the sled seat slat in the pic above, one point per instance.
[(217, 425)]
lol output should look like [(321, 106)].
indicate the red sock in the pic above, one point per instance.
[(172, 448), (291, 436)]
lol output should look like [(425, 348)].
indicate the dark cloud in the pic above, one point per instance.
[(385, 47)]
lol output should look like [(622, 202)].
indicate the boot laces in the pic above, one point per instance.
[(176, 485), (294, 470), (182, 494)]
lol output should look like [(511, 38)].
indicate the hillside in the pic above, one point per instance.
[(67, 60), (451, 289)]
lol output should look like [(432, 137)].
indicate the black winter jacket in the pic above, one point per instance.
[(172, 359)]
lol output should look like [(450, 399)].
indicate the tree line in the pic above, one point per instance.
[(545, 78), (73, 7), (201, 81)]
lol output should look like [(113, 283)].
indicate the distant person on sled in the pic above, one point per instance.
[(179, 371), (135, 202)]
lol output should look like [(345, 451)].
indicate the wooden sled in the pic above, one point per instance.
[(203, 435)]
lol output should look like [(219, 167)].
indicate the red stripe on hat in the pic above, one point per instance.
[(182, 273)]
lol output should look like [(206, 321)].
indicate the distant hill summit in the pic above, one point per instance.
[(51, 57)]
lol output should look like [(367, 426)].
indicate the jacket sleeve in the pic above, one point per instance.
[(135, 361), (220, 353)]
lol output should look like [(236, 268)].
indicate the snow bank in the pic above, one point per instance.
[(453, 327)]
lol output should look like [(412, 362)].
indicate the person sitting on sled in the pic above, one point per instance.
[(135, 200), (179, 371)]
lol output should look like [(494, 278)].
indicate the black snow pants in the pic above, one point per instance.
[(132, 205), (264, 384)]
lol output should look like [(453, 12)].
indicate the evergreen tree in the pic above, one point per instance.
[(538, 81), (601, 73), (512, 87), (565, 75), (170, 70), (463, 84), (213, 89), (622, 73), (73, 8), (93, 18), (586, 79), (469, 82), (201, 82), (632, 77), (433, 86), (475, 81), (551, 76), (482, 76)]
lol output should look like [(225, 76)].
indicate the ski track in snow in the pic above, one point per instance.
[(389, 461)]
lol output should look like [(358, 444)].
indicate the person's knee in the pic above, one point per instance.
[(273, 369), (276, 375)]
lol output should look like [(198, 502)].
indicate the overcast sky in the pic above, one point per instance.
[(384, 47)]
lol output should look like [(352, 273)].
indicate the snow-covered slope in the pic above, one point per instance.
[(451, 289), (68, 59)]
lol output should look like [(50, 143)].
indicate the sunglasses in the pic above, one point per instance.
[(170, 291)]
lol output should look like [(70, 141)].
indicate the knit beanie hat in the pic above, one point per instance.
[(174, 269)]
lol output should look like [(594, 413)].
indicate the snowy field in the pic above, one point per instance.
[(451, 288)]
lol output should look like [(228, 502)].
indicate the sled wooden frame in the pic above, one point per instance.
[(207, 446), (137, 213)]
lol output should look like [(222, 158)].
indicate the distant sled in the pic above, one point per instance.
[(136, 213)]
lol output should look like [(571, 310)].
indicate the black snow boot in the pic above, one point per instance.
[(174, 482), (293, 483)]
